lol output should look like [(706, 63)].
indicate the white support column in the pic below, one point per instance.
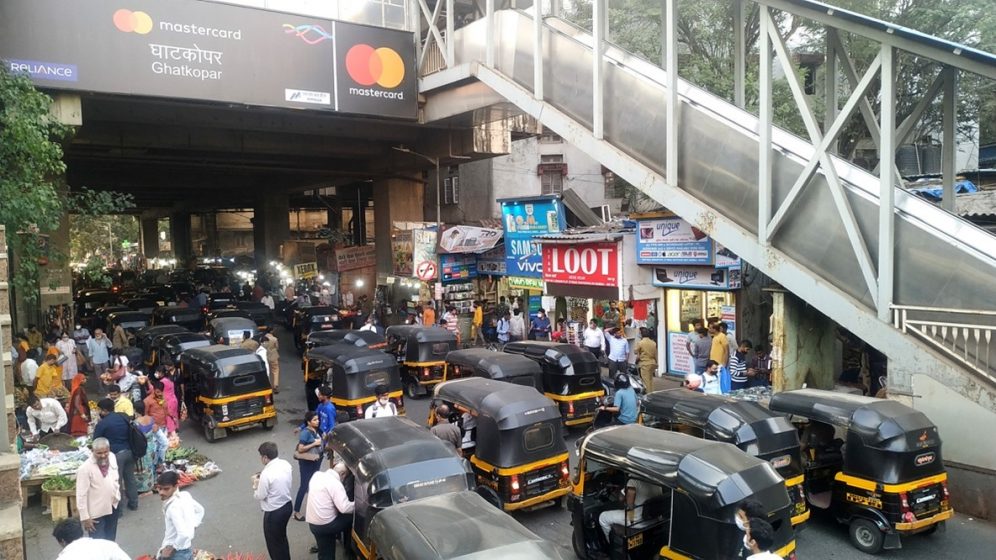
[(739, 52), (489, 51), (948, 144), (538, 50), (887, 189), (830, 84), (671, 66), (450, 46), (764, 130), (598, 18)]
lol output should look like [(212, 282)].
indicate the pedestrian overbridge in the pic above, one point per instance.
[(908, 277)]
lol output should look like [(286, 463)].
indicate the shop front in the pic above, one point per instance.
[(357, 270), (697, 278)]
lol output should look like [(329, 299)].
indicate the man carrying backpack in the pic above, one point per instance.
[(117, 428)]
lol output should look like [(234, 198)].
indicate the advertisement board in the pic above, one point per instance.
[(306, 270), (492, 262), (402, 253), (695, 277), (672, 241), (351, 258), (424, 265), (524, 283), (678, 359), (522, 221), (457, 268), (468, 239), (585, 264), (724, 258), (211, 51)]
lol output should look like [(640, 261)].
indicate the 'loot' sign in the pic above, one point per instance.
[(586, 264)]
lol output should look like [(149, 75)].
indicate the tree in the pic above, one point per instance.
[(33, 197), (101, 236)]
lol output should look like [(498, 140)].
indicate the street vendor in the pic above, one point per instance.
[(45, 416)]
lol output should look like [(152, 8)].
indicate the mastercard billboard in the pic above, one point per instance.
[(210, 51)]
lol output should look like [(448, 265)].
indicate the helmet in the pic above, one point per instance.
[(693, 381), (621, 381)]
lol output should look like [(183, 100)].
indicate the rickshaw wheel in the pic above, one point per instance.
[(931, 530), (269, 425), (579, 545), (412, 390), (866, 536), (490, 495), (209, 434)]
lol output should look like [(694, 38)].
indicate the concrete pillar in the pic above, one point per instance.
[(209, 222), (179, 231), (270, 227), (802, 345), (395, 200), (11, 531), (150, 237)]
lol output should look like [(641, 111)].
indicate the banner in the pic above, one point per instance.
[(402, 253), (522, 221), (672, 241), (306, 270), (492, 262), (678, 359), (523, 283), (696, 277), (457, 268), (585, 264), (424, 265), (725, 258), (468, 239), (210, 51), (351, 258)]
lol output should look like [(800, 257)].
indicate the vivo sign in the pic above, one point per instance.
[(586, 264)]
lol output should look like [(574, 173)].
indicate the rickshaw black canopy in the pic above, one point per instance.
[(499, 366), (745, 424), (228, 313), (556, 357), (131, 320), (422, 344), (363, 338), (356, 371), (144, 305), (221, 371), (146, 337), (257, 311), (184, 315), (318, 314), (174, 344), (223, 326), (454, 526), (715, 475), (322, 338), (886, 441), (505, 413)]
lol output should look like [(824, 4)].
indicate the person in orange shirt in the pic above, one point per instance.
[(428, 315)]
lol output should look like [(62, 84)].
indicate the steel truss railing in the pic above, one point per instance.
[(965, 336)]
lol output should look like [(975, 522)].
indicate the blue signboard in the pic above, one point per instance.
[(457, 267), (523, 220), (672, 241)]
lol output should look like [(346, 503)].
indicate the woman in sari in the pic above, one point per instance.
[(78, 408), (169, 395), (155, 403), (147, 467)]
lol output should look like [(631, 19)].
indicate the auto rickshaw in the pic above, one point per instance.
[(884, 478), (480, 362), (353, 373), (146, 338), (227, 313), (145, 305), (99, 319), (687, 492), (188, 317), (220, 300), (453, 525), (393, 461), (519, 456), (745, 424), (310, 319), (230, 330), (258, 312), (229, 389), (571, 377), (168, 348), (421, 351), (366, 339), (87, 304), (131, 321)]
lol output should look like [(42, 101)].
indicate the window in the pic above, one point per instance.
[(451, 190), (550, 137), (537, 437), (551, 171)]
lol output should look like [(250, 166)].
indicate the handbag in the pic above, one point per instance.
[(308, 456)]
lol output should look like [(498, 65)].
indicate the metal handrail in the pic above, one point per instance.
[(968, 344), (945, 310)]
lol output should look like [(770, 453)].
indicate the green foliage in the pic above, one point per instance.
[(33, 196), (100, 234), (94, 273)]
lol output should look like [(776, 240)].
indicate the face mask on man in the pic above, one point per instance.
[(383, 401), (740, 524)]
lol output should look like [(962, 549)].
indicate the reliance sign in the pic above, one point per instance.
[(584, 264)]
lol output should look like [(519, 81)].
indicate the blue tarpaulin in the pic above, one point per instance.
[(935, 192)]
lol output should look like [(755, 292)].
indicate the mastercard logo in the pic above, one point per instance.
[(128, 21), (368, 66)]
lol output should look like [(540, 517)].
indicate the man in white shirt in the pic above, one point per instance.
[(594, 339), (618, 352), (330, 512), (759, 539), (272, 487), (182, 515), (383, 406), (69, 534), (517, 325), (636, 493), (710, 379), (45, 415), (29, 369), (267, 300)]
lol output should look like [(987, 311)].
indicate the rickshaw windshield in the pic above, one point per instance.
[(424, 486), (440, 349), (538, 437), (374, 378)]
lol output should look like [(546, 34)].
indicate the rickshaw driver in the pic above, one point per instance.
[(636, 493), (624, 402)]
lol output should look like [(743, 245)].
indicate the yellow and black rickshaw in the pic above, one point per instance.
[(884, 478), (229, 388), (570, 377), (421, 351), (392, 461), (130, 321), (146, 340), (188, 317), (168, 348), (307, 320), (748, 425), (519, 455), (354, 373), (230, 331), (258, 312), (667, 495), (453, 525), (480, 362)]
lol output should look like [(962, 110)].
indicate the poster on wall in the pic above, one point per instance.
[(679, 361), (468, 239), (672, 241), (695, 277), (351, 258), (457, 268), (728, 315), (492, 262), (725, 258), (584, 264), (424, 265), (402, 253), (522, 221)]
